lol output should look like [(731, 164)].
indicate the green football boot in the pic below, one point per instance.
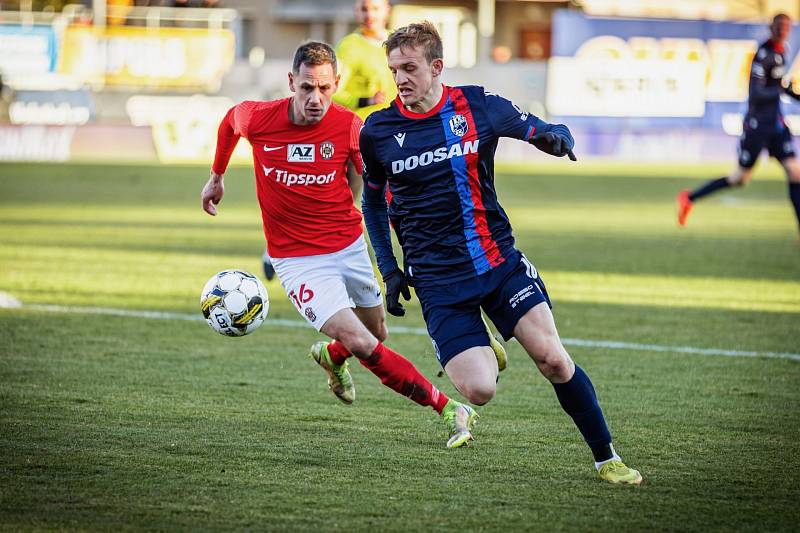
[(497, 347), (339, 379), (616, 472), (459, 419)]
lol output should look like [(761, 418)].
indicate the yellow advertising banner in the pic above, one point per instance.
[(152, 58), (185, 127)]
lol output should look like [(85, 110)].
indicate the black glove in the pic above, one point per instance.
[(396, 284), (553, 144)]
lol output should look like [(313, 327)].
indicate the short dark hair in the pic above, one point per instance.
[(313, 53), (780, 16), (422, 34)]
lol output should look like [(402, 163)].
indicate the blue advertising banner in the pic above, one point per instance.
[(57, 107), (27, 50), (572, 28), (646, 74)]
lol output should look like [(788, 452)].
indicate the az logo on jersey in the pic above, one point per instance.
[(300, 153), (458, 125)]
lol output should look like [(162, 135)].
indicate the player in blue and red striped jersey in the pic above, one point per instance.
[(764, 126), (434, 148)]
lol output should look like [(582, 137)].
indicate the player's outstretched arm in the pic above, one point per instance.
[(212, 193), (508, 120), (227, 137)]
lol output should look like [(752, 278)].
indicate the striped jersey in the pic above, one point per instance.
[(439, 168)]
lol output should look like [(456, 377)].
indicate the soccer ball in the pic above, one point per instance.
[(234, 303)]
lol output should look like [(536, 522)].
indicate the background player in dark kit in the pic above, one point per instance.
[(764, 126)]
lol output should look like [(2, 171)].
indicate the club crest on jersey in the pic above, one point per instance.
[(458, 125), (300, 153), (326, 150)]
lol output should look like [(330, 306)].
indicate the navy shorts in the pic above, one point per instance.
[(452, 312), (778, 141)]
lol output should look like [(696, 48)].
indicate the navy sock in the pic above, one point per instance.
[(794, 195), (578, 399), (708, 188)]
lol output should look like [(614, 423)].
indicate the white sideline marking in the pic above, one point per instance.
[(9, 302), (282, 322)]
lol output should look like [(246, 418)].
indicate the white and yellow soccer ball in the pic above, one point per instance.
[(234, 303)]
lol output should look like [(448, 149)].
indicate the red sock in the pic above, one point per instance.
[(400, 375), (338, 352)]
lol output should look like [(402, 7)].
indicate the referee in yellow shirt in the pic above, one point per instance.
[(366, 84)]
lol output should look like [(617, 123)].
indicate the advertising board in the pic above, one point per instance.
[(151, 58), (653, 73)]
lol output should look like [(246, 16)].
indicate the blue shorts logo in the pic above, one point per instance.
[(458, 125)]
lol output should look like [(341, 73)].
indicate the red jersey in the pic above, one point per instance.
[(301, 174)]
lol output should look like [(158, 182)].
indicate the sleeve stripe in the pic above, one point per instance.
[(241, 117), (529, 133), (355, 133)]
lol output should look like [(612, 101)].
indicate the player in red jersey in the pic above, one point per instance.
[(303, 148)]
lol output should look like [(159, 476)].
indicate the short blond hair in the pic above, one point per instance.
[(423, 34)]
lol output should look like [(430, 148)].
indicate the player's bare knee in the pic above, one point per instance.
[(550, 372), (740, 178), (791, 167), (562, 371), (555, 365), (479, 393)]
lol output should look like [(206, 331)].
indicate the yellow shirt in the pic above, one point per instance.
[(362, 64)]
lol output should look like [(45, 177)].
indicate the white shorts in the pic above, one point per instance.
[(321, 285)]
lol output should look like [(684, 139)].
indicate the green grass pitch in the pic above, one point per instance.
[(130, 423)]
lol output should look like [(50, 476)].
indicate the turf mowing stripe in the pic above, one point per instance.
[(281, 322), (677, 349)]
